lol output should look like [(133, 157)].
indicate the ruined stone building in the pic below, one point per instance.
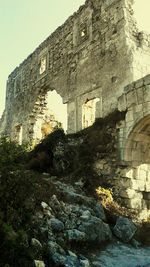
[(97, 61), (87, 61)]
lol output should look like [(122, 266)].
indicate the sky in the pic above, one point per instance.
[(24, 24)]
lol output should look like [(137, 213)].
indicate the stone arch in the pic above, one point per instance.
[(49, 112), (138, 142), (137, 157)]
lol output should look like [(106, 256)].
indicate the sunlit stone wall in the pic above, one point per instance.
[(94, 54), (134, 139)]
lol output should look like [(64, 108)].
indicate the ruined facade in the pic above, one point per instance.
[(134, 145), (93, 55), (92, 61)]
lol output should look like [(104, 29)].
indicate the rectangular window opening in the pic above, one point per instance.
[(43, 63), (18, 134), (89, 112)]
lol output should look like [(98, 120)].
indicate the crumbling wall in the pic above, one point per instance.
[(141, 63), (134, 140), (87, 57), (3, 123), (139, 43)]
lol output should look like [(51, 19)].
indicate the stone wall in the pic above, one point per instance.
[(92, 55), (136, 100), (139, 42), (134, 140)]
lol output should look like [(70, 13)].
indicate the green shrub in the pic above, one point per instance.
[(15, 247), (11, 154)]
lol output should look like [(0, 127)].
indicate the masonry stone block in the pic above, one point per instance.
[(131, 98), (130, 116), (147, 186), (138, 185), (146, 92), (138, 109), (125, 182), (141, 175), (129, 173), (139, 83), (122, 104), (147, 80), (135, 203), (130, 193), (140, 95)]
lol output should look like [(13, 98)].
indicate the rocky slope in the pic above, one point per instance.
[(50, 214)]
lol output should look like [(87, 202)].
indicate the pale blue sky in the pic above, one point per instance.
[(24, 24)]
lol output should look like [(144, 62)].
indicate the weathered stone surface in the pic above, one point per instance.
[(94, 62), (36, 247), (71, 262), (39, 263), (93, 55), (122, 255), (36, 243), (58, 259), (134, 145), (96, 230), (124, 229), (86, 215), (100, 212), (85, 263), (56, 225), (54, 247), (76, 235)]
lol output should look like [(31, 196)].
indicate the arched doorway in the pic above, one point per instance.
[(137, 155), (51, 114)]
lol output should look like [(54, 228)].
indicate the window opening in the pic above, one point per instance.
[(18, 134), (89, 112), (43, 65)]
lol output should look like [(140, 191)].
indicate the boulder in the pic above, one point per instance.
[(58, 259), (96, 230), (72, 261), (99, 211), (36, 243), (85, 263), (56, 225), (53, 247), (36, 247), (75, 235), (124, 229), (86, 215)]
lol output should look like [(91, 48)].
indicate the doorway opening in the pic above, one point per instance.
[(89, 112), (18, 134), (137, 154), (52, 114)]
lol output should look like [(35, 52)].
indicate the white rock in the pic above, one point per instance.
[(36, 243), (85, 263), (44, 205), (39, 263)]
